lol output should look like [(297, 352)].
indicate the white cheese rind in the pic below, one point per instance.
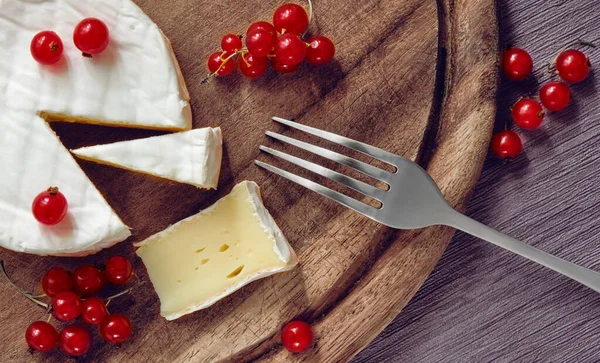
[(191, 157), (284, 252), (281, 247), (90, 224), (135, 83)]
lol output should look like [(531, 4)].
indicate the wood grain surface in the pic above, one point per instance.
[(482, 304), (403, 74)]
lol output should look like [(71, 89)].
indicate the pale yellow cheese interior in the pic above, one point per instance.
[(207, 255)]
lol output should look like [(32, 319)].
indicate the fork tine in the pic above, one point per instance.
[(360, 207), (367, 149), (364, 168), (357, 185)]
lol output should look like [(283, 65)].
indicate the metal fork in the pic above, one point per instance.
[(412, 201)]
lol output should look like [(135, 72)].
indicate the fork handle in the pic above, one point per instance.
[(578, 273)]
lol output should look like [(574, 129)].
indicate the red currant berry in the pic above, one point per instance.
[(297, 336), (262, 25), (91, 36), (283, 68), (290, 18), (46, 47), (507, 144), (290, 49), (572, 65), (41, 336), (321, 50), (555, 96), (75, 340), (94, 311), (252, 66), (56, 280), (116, 328), (66, 306), (231, 43), (259, 43), (516, 64), (528, 113), (50, 207), (220, 64), (88, 280), (118, 270)]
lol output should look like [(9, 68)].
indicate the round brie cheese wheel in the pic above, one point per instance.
[(136, 82)]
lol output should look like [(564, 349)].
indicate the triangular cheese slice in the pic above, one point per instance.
[(135, 82), (191, 157)]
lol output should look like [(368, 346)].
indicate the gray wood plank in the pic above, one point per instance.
[(482, 304)]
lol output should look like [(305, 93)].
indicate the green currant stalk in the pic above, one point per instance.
[(23, 292)]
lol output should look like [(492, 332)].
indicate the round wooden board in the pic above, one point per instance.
[(415, 77)]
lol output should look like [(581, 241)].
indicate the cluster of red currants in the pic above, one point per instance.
[(66, 291), (280, 43), (90, 37), (571, 65)]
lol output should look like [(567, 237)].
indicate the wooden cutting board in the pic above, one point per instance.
[(416, 77)]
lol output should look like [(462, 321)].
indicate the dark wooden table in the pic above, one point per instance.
[(483, 304)]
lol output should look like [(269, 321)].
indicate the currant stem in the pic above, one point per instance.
[(216, 73), (207, 78), (310, 14), (586, 43), (23, 292), (244, 59), (124, 292), (108, 299)]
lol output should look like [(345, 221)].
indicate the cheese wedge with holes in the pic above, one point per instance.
[(191, 157), (135, 82), (198, 261)]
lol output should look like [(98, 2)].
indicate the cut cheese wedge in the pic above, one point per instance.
[(203, 258), (135, 82), (191, 157)]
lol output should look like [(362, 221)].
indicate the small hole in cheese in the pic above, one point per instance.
[(196, 268), (200, 250), (178, 280), (224, 248), (204, 261), (235, 272)]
